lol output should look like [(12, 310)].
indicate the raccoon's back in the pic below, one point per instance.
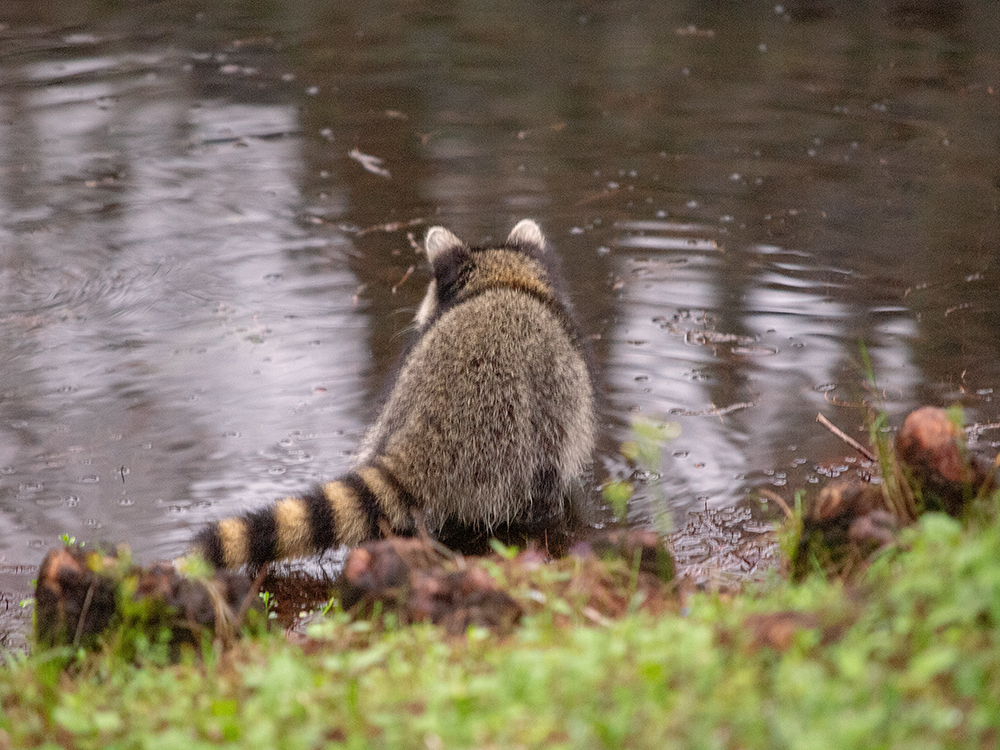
[(491, 419)]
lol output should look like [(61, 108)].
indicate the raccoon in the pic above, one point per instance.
[(489, 425)]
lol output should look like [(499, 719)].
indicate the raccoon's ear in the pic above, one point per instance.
[(447, 255), (438, 242), (526, 232)]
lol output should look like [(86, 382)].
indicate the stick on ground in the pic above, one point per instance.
[(846, 438)]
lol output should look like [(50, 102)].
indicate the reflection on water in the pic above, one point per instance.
[(206, 270)]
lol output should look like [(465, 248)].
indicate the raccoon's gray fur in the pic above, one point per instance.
[(490, 422)]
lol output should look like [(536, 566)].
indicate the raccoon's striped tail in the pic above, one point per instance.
[(348, 510)]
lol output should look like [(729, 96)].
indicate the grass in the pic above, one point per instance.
[(904, 653), (906, 656)]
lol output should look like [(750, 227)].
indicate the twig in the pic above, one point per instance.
[(403, 280), (392, 226), (370, 163), (595, 617), (84, 611), (251, 596), (778, 499), (718, 411), (434, 544), (846, 438), (907, 513)]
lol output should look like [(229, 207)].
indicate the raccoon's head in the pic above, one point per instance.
[(459, 271)]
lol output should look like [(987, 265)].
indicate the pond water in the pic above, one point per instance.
[(206, 210)]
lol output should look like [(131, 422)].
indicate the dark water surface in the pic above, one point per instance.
[(204, 208)]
